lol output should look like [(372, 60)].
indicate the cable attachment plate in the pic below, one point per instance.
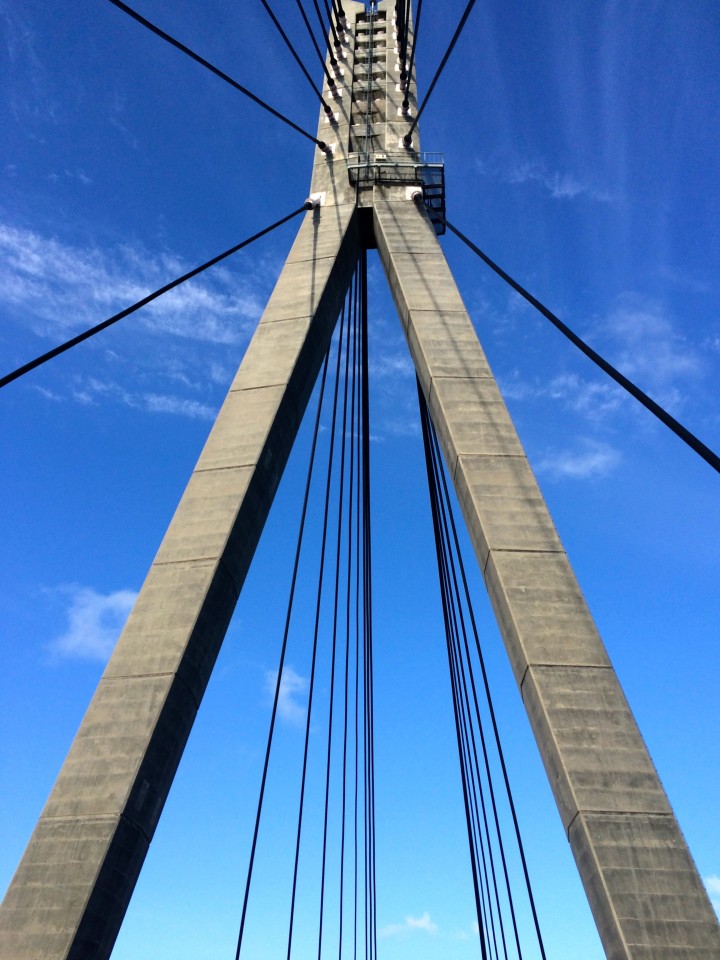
[(315, 200)]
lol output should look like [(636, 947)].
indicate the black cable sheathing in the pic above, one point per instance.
[(416, 25), (407, 139), (318, 93), (488, 694), (56, 351), (213, 69), (404, 43), (311, 34), (323, 33), (316, 633), (329, 14), (448, 522), (286, 633), (446, 616), (348, 613), (708, 455), (336, 607)]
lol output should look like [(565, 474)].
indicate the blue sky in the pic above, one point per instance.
[(581, 146)]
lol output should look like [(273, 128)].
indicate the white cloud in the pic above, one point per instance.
[(560, 185), (639, 338), (410, 925), (712, 884), (94, 623), (292, 704), (647, 348), (58, 288), (159, 403), (592, 399), (91, 390), (393, 366), (593, 460)]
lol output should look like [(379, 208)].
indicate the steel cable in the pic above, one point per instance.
[(213, 69), (316, 632), (407, 139), (311, 34), (336, 601), (56, 351), (449, 563), (488, 696), (416, 25), (286, 633), (446, 617), (708, 455), (323, 33), (326, 106)]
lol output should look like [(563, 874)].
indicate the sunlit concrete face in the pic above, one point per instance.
[(643, 888), (72, 888)]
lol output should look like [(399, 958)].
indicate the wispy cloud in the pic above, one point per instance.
[(593, 459), (561, 185), (646, 346), (712, 884), (638, 337), (393, 366), (28, 87), (56, 287), (593, 399), (90, 390), (94, 621), (292, 705), (410, 925)]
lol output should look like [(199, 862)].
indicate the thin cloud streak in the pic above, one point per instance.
[(57, 288), (410, 925), (91, 391), (591, 461), (561, 185)]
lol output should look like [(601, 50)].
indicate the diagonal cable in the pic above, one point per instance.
[(311, 34), (708, 455), (56, 351), (218, 73), (326, 106), (407, 139), (283, 651), (408, 81)]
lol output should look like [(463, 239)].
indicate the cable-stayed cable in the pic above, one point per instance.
[(326, 106), (213, 69), (477, 778), (407, 139), (708, 455), (283, 652), (316, 634), (311, 34), (56, 351), (408, 81), (323, 33)]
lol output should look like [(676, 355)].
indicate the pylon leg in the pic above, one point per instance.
[(72, 887), (647, 898)]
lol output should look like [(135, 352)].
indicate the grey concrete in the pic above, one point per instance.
[(642, 885)]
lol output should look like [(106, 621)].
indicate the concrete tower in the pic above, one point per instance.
[(73, 885)]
